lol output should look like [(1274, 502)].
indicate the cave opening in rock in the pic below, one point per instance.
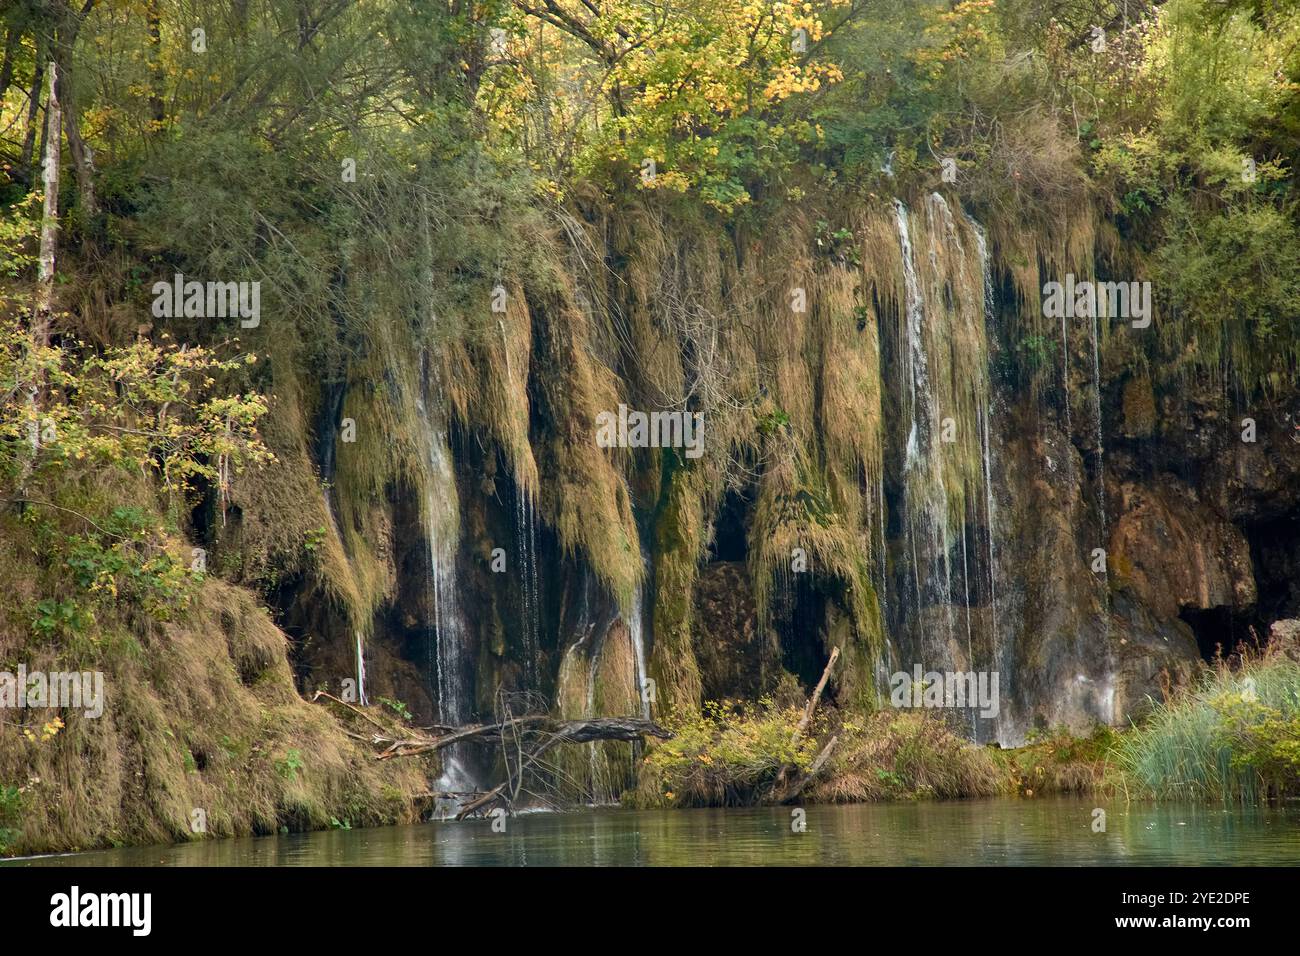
[(801, 617), (1275, 554), (730, 538), (1220, 630)]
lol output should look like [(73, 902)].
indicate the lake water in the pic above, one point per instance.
[(1051, 831)]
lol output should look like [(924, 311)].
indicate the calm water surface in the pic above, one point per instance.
[(997, 831)]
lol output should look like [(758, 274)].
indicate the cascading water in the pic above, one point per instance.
[(362, 698), (925, 500), (526, 542), (636, 628), (1107, 695), (449, 647), (598, 648), (948, 514), (985, 412), (1101, 448)]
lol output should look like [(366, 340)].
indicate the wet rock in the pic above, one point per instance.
[(1285, 631), (1174, 552)]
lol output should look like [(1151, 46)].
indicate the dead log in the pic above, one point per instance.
[(782, 788), (795, 788), (498, 792), (566, 731), (540, 732), (816, 697)]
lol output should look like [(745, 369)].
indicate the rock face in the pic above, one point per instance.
[(914, 470), (1175, 552), (1287, 631)]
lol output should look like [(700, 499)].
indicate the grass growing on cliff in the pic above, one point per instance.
[(1235, 737), (202, 727)]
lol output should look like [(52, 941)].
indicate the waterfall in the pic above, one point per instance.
[(449, 651), (635, 628), (984, 410), (585, 630), (1109, 693), (925, 498), (362, 698), (949, 513), (1101, 450), (526, 543), (884, 550), (598, 772), (1065, 377)]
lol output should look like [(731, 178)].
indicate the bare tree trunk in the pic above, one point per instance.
[(50, 218), (33, 108), (782, 788), (155, 66), (12, 37), (83, 158), (40, 328), (811, 706)]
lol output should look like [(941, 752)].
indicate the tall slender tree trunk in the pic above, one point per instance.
[(50, 216), (83, 161), (12, 38), (156, 113), (41, 316), (33, 109)]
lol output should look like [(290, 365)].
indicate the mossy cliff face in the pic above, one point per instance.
[(902, 457), (202, 734)]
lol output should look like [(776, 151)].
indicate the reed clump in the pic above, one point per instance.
[(1234, 737)]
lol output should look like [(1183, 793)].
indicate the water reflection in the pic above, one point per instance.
[(994, 832)]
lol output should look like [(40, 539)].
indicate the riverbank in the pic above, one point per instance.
[(1227, 741), (1230, 737)]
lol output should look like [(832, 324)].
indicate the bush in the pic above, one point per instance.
[(732, 754), (726, 756)]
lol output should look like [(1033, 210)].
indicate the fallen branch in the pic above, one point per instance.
[(566, 732), (796, 788), (816, 697), (352, 707), (569, 731), (782, 789)]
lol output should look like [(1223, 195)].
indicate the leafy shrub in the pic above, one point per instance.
[(725, 756), (11, 807)]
